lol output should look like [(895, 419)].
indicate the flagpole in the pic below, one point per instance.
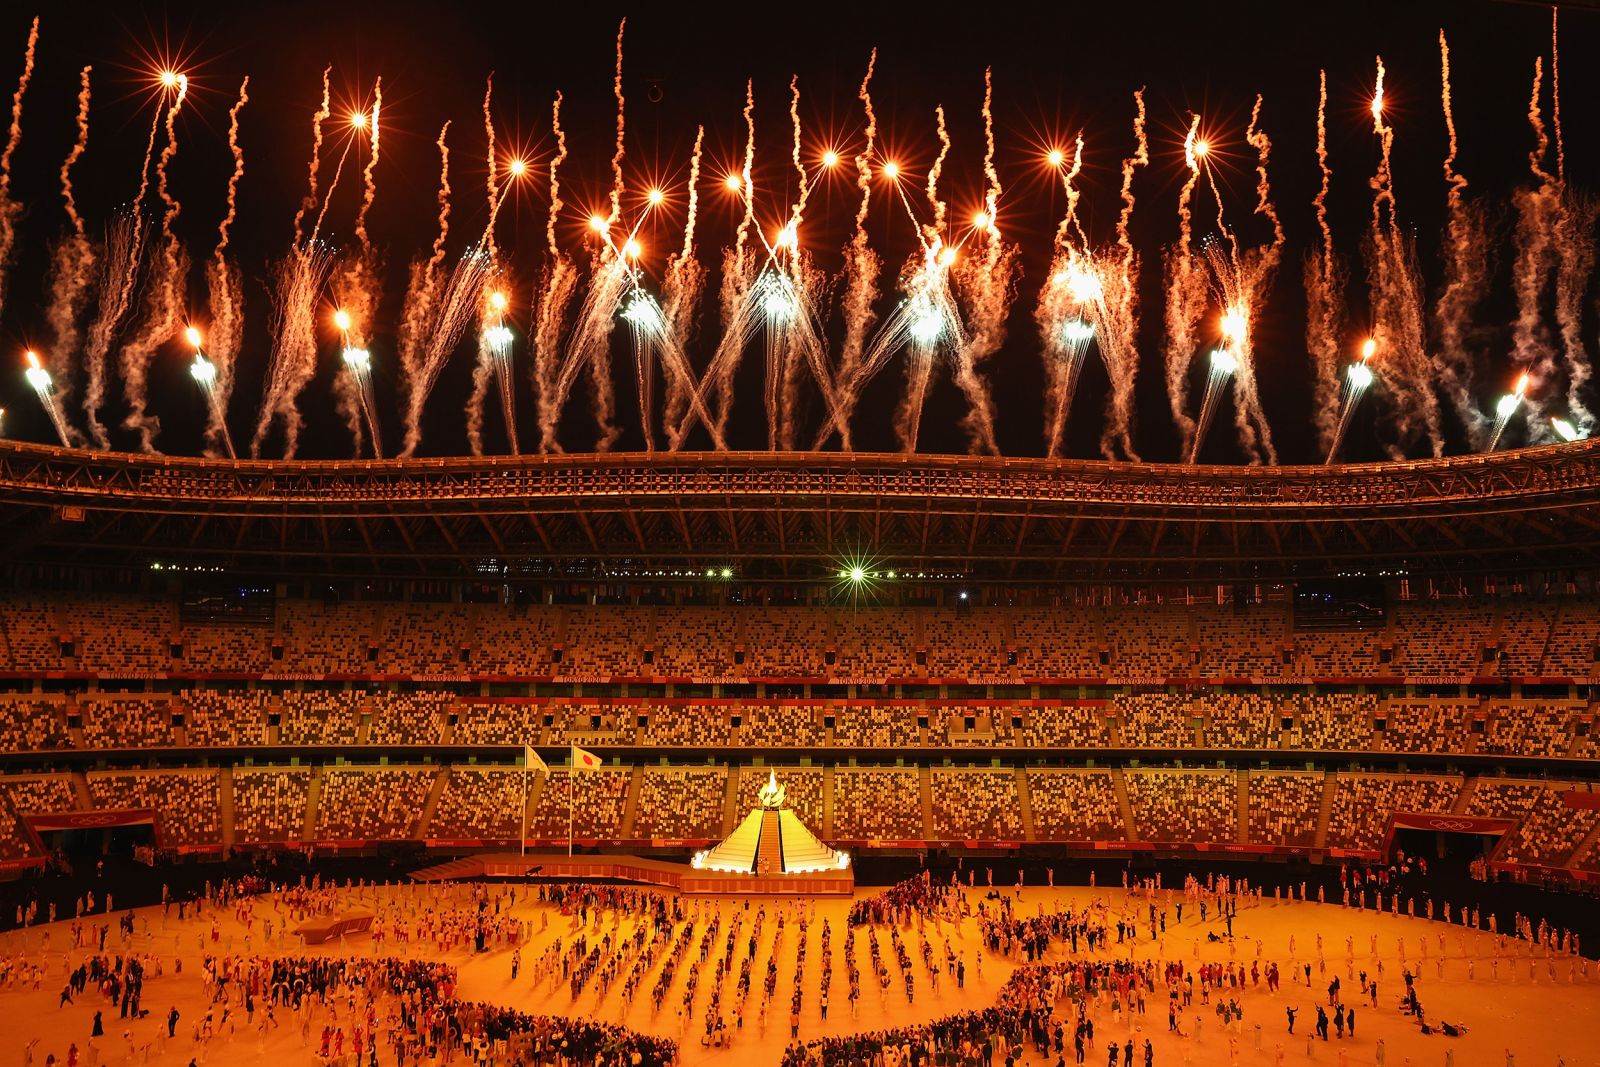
[(523, 836), (572, 782)]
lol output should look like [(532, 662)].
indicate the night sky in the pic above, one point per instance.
[(1058, 70)]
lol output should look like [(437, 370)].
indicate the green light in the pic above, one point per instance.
[(727, 572), (858, 574)]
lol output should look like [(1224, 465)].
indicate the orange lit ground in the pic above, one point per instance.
[(1539, 1021)]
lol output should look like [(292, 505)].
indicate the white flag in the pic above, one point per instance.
[(531, 760)]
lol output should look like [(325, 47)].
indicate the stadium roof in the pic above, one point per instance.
[(795, 516)]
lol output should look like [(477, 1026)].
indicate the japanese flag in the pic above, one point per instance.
[(584, 760)]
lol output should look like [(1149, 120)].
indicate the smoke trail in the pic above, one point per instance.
[(483, 372), (1575, 255), (784, 304), (119, 277), (357, 288), (317, 119), (1395, 285), (369, 182), (224, 229), (1067, 310), (439, 309), (303, 277), (455, 309), (987, 284), (558, 284), (1466, 278), (681, 292), (991, 193), (616, 156), (1255, 270), (225, 287), (11, 210), (1119, 322), (124, 254), (492, 179), (493, 351), (298, 279), (1555, 92), (333, 187), (593, 341), (782, 362), (1539, 224), (168, 297), (935, 170), (72, 265), (804, 194), (862, 267), (1186, 297), (1325, 279), (297, 284), (738, 278)]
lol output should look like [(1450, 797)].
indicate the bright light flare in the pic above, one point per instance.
[(169, 79), (947, 256), (980, 221), (777, 304), (1076, 331), (1084, 285), (927, 326), (655, 196), (358, 360), (1360, 376), (858, 575), (643, 312), (358, 120), (733, 183), (341, 319), (203, 371), (1234, 324), (192, 335), (598, 224), (1223, 362), (1056, 157), (891, 170), (788, 237), (1369, 347), (1565, 430), (498, 337), (633, 249), (36, 375), (1522, 387), (1201, 149), (830, 158), (497, 300)]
